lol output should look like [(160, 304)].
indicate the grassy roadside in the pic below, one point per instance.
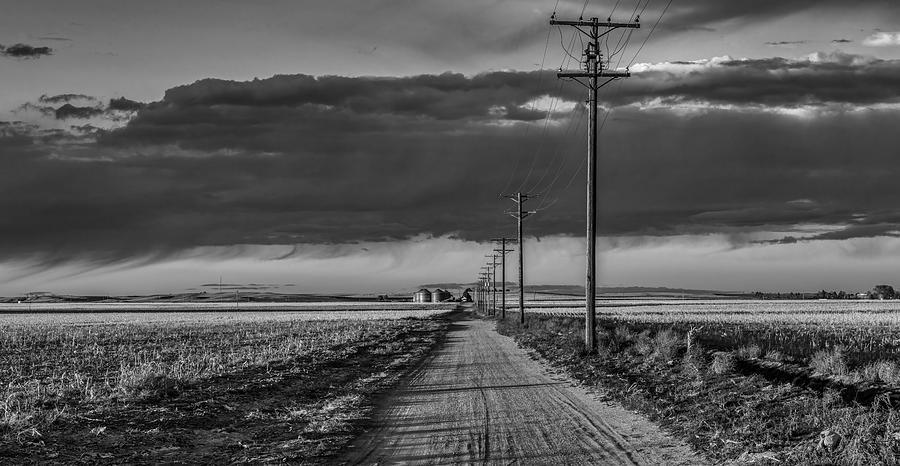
[(260, 392), (699, 396)]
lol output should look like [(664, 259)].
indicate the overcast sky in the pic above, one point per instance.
[(361, 146)]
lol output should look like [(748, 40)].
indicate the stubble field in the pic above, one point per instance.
[(749, 382), (263, 385), (864, 332)]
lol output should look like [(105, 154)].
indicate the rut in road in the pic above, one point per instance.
[(482, 400)]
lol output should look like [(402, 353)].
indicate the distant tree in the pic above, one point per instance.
[(883, 292)]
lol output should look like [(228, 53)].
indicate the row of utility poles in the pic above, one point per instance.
[(593, 69), (486, 295)]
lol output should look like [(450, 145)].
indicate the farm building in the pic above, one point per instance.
[(440, 296), (422, 296)]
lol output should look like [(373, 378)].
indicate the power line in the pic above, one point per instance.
[(580, 167), (573, 123), (553, 103), (562, 45), (651, 32), (552, 106), (584, 7), (533, 104)]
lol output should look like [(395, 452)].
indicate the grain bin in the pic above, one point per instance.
[(422, 296), (440, 295)]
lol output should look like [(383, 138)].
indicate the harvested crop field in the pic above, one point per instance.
[(808, 382), (202, 388), (865, 331)]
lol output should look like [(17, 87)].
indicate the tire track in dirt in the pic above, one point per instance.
[(482, 400)]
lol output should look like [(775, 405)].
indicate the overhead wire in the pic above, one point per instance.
[(533, 105), (562, 44), (546, 202), (651, 32), (540, 79), (554, 100), (550, 109), (619, 49), (573, 123), (620, 46), (624, 36)]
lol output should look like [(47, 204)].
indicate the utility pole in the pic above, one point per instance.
[(593, 69), (477, 295), (493, 282), (485, 278), (490, 293), (484, 291), (503, 252), (520, 214)]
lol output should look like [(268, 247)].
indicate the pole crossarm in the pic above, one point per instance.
[(524, 213), (594, 22), (588, 74), (517, 196)]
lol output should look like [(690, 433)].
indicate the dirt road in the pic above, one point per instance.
[(482, 400)]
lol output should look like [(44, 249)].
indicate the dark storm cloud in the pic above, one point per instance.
[(67, 111), (46, 110), (784, 43), (297, 159), (688, 13), (80, 106), (64, 98), (873, 224), (24, 51), (828, 78), (123, 104), (448, 96)]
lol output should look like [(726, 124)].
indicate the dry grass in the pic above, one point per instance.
[(881, 371), (665, 344), (54, 372), (830, 362), (797, 329), (751, 351), (723, 363), (732, 418)]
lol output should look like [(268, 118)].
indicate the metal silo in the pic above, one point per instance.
[(422, 296), (440, 295)]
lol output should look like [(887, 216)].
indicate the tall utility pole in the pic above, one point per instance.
[(593, 69), (478, 295), (493, 268), (520, 214), (503, 252), (485, 290)]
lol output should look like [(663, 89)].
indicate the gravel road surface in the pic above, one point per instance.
[(482, 400)]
